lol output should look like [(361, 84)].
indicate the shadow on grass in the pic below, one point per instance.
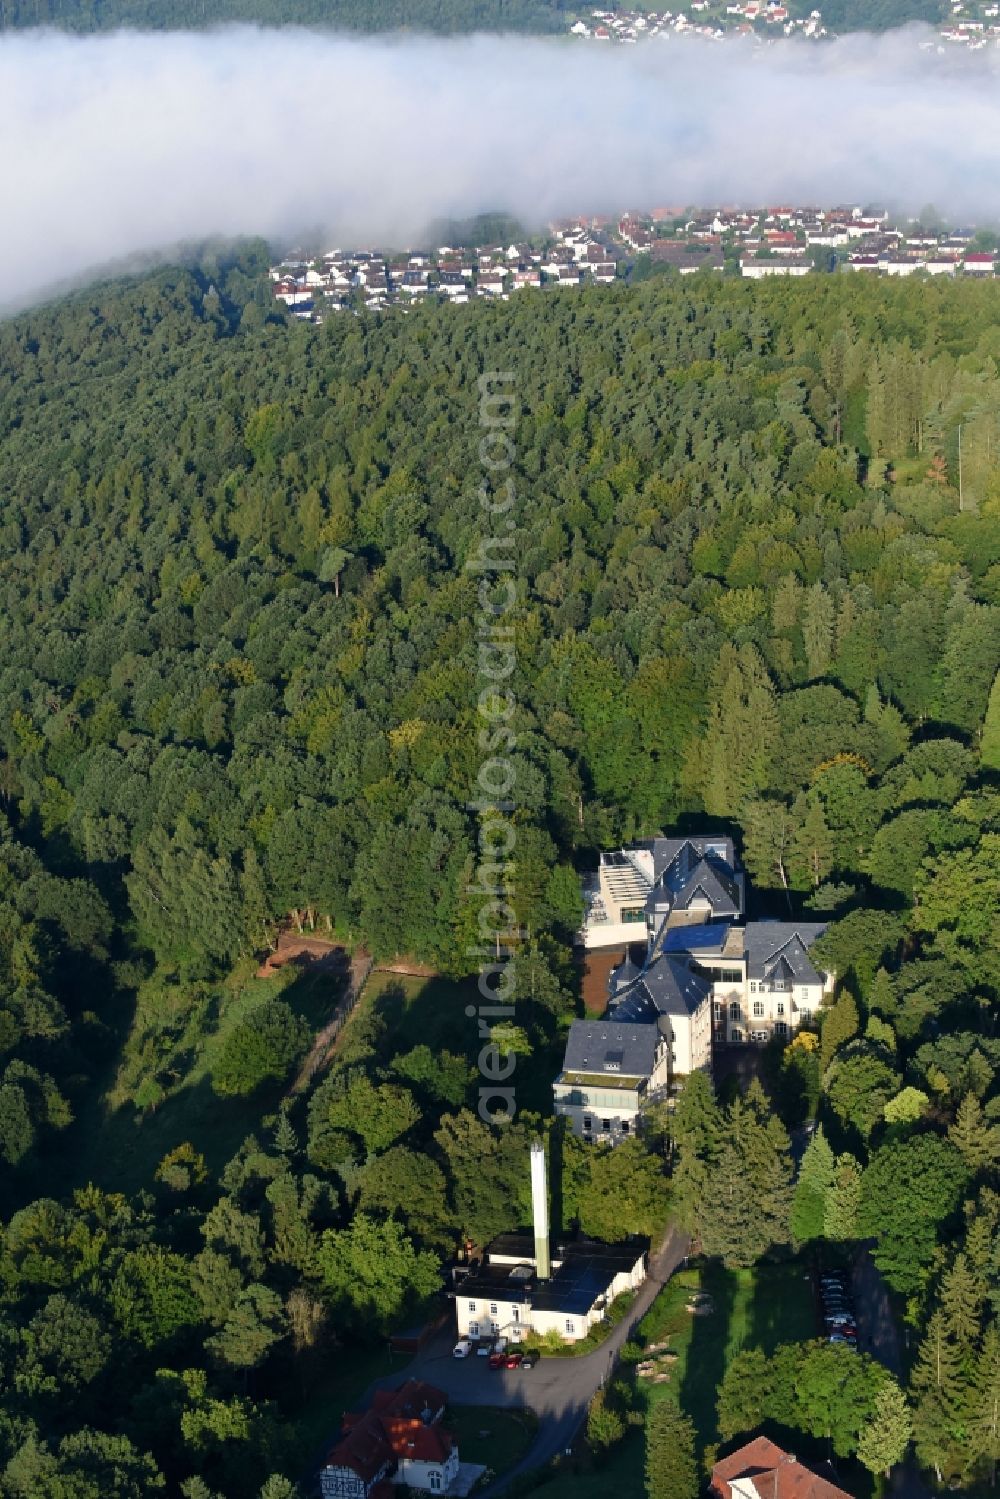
[(120, 1149), (707, 1353)]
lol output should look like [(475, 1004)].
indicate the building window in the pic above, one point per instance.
[(753, 987), (570, 1326), (719, 1010), (736, 1034), (588, 1123), (624, 1126), (493, 1308), (780, 1007), (606, 1126), (473, 1329), (734, 1011), (434, 1479), (758, 1007), (805, 1012), (472, 1306), (515, 1314)]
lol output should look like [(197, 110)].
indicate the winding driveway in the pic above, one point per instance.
[(557, 1390)]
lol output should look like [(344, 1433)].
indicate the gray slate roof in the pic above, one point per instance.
[(667, 987), (780, 949), (607, 1046), (684, 868)]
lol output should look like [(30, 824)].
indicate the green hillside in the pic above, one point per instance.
[(239, 679)]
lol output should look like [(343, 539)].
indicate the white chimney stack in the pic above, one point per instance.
[(540, 1210)]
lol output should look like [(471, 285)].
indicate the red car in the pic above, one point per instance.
[(513, 1361), (497, 1360)]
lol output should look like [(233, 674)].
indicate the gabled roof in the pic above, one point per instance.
[(666, 987), (688, 869), (775, 1474), (399, 1424), (606, 1046), (770, 943), (626, 973), (418, 1442)]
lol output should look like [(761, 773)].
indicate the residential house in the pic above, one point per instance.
[(687, 259), (414, 283), (491, 282), (399, 1440), (787, 265), (979, 264), (762, 1470)]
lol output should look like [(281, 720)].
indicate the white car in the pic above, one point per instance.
[(462, 1348)]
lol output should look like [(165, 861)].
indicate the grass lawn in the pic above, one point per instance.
[(757, 1308), (118, 1146), (418, 1011), (424, 1011), (496, 1438), (761, 1308)]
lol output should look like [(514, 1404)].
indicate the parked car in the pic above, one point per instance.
[(530, 1358), (497, 1359), (839, 1337), (513, 1360), (462, 1348)]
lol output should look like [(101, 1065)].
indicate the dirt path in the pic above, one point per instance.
[(312, 953), (360, 968)]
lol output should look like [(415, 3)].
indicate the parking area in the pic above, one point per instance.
[(835, 1306)]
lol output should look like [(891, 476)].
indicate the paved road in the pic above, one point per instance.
[(558, 1390), (878, 1334)]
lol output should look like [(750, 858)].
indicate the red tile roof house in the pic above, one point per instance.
[(761, 1470), (399, 1440)]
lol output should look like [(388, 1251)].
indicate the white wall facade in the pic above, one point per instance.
[(429, 1478), (479, 1318)]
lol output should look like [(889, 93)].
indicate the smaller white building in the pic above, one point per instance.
[(528, 1282), (504, 1296)]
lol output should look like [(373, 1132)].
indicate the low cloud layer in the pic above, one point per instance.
[(121, 145)]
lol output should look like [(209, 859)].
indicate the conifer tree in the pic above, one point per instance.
[(696, 1129), (886, 1437), (671, 1469), (748, 1189), (286, 1140), (840, 1219), (840, 1025), (977, 1142), (743, 713), (816, 1177), (941, 1400), (961, 1301), (985, 1423)]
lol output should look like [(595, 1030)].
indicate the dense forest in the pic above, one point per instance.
[(760, 587), (446, 16), (352, 15)]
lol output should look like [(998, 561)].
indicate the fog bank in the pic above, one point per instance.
[(126, 144)]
